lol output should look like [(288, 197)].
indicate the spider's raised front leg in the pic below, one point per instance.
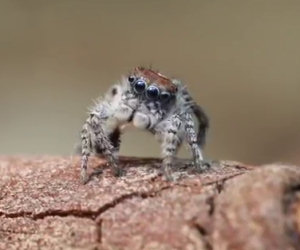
[(95, 139), (170, 135), (191, 137)]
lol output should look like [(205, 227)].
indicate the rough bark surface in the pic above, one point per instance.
[(43, 205)]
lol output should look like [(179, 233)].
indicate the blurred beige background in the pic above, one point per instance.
[(240, 60)]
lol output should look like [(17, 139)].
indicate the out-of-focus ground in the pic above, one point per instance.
[(240, 60)]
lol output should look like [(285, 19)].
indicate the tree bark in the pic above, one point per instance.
[(43, 205)]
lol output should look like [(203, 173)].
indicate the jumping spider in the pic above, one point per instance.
[(150, 101)]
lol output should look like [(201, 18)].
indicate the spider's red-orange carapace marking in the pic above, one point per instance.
[(155, 77)]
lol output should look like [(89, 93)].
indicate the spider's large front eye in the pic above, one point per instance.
[(152, 92), (165, 96), (139, 86)]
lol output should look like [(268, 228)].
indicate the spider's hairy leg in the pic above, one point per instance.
[(94, 138), (85, 151), (202, 118), (171, 140), (192, 140)]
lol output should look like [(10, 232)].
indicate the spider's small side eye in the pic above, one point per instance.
[(152, 92), (165, 96), (139, 86), (131, 79)]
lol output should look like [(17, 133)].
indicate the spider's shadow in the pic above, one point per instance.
[(126, 163), (180, 165)]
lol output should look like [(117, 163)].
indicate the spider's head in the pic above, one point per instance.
[(151, 84)]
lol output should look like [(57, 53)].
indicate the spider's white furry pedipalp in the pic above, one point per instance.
[(149, 101)]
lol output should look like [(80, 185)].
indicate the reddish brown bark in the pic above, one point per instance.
[(43, 205)]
